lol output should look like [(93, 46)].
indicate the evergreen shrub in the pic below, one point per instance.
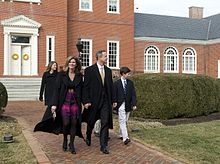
[(166, 96)]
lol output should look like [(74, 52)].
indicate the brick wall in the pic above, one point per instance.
[(52, 15), (141, 45)]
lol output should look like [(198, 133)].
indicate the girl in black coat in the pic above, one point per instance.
[(67, 101), (47, 87)]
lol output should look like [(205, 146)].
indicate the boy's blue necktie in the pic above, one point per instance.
[(125, 86)]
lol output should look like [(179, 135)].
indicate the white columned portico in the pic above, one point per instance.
[(34, 70), (21, 26), (6, 52)]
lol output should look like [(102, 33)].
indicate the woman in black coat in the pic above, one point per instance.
[(67, 101), (48, 84)]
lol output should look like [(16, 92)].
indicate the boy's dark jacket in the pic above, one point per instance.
[(129, 98)]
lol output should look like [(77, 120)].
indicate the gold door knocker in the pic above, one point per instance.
[(15, 56), (25, 56)]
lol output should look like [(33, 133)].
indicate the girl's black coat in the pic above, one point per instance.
[(48, 124), (47, 86)]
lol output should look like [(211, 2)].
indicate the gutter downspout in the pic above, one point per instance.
[(205, 48)]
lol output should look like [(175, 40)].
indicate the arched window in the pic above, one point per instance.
[(189, 61), (171, 60), (152, 59)]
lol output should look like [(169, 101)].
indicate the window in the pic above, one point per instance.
[(50, 49), (189, 61), (171, 60), (85, 5), (113, 54), (152, 59), (86, 55), (20, 39), (113, 6)]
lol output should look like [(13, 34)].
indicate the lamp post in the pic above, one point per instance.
[(79, 46)]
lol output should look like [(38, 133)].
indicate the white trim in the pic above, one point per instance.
[(21, 25), (114, 12), (117, 55), (52, 48), (90, 9), (145, 61), (218, 69), (90, 51), (177, 60), (194, 51), (31, 1), (181, 41)]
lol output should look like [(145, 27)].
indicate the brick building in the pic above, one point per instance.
[(34, 32), (169, 44)]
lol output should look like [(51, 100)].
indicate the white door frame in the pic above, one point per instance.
[(21, 25)]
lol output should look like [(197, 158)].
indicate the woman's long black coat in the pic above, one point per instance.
[(58, 98), (48, 83)]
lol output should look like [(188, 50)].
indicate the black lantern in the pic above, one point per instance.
[(79, 46)]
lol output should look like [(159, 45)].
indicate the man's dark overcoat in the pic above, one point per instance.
[(92, 93)]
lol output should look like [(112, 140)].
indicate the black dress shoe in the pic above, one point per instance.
[(104, 150), (88, 140), (96, 134), (121, 138), (127, 141)]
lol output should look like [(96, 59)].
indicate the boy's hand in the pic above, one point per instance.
[(87, 105), (134, 107)]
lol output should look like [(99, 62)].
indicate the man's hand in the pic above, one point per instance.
[(53, 109), (114, 105), (87, 105)]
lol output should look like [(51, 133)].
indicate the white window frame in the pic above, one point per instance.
[(113, 12), (192, 50), (30, 1), (52, 48), (90, 52), (157, 59), (117, 55), (91, 6), (176, 60), (218, 69)]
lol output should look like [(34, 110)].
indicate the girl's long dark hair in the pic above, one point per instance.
[(50, 65)]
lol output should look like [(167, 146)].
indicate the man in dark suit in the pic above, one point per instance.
[(98, 98), (126, 102)]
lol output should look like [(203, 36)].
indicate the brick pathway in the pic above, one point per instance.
[(29, 113)]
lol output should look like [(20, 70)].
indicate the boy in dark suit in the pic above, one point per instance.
[(126, 101)]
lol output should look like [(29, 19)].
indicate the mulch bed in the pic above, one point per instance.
[(211, 117)]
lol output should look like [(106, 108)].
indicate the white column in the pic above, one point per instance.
[(34, 61), (6, 53)]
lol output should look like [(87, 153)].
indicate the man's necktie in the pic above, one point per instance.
[(125, 86), (102, 75)]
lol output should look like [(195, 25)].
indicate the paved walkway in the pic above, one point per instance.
[(48, 147)]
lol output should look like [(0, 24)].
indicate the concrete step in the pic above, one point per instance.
[(22, 89)]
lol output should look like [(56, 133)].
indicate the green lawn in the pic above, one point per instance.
[(18, 151), (191, 143)]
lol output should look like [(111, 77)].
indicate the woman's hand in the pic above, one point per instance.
[(53, 109), (87, 105)]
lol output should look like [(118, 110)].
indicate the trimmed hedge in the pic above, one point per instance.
[(166, 96), (3, 97)]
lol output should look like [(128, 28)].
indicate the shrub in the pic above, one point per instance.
[(166, 96), (3, 97)]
